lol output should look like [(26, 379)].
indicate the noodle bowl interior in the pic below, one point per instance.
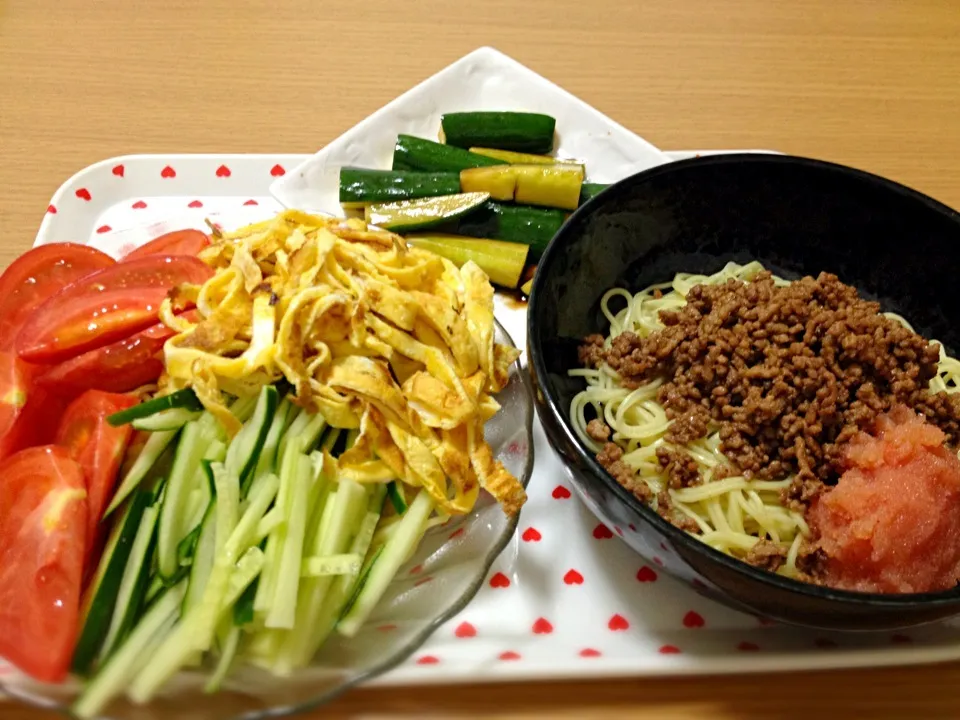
[(792, 425)]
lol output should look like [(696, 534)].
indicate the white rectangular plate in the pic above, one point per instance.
[(564, 600), (483, 80)]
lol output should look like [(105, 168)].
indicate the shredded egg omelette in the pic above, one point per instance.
[(393, 341)]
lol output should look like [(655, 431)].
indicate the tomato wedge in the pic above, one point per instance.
[(98, 447), (43, 521), (28, 415), (178, 242), (105, 307), (36, 275), (119, 367)]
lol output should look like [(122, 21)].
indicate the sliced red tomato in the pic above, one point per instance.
[(98, 447), (105, 307), (178, 242), (119, 367), (36, 275), (43, 524), (28, 414)]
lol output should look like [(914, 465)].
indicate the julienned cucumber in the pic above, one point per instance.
[(133, 588), (148, 459), (524, 132), (413, 153), (359, 187), (406, 215), (398, 548), (121, 668), (244, 451), (194, 442), (170, 419), (516, 223), (322, 560), (102, 594), (180, 399)]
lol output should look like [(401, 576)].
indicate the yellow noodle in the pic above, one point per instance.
[(732, 513)]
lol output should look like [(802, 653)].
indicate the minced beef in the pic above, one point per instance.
[(788, 374), (681, 468), (766, 555)]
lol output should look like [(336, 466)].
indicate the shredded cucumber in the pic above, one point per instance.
[(114, 676), (395, 553), (298, 473), (280, 553), (343, 564), (151, 452)]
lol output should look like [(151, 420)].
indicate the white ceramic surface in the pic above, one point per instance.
[(566, 598)]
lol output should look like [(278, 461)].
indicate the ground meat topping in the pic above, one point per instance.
[(766, 555), (789, 374), (598, 430), (591, 352), (681, 468)]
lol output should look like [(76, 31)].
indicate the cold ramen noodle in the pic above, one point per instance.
[(792, 425)]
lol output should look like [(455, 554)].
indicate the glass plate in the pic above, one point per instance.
[(440, 579)]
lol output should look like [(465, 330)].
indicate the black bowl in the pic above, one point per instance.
[(797, 217)]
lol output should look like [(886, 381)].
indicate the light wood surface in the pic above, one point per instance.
[(871, 83)]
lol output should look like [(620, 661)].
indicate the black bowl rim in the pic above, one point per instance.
[(689, 542)]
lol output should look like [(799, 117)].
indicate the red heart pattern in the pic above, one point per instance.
[(168, 172), (693, 619), (416, 569), (118, 170), (457, 533), (104, 229), (602, 532), (499, 581), (589, 653), (195, 204), (509, 655), (560, 493), (83, 194), (646, 574), (139, 205), (52, 209), (277, 170), (251, 202), (669, 650), (223, 171), (531, 535), (573, 578), (618, 623), (542, 627), (465, 630), (428, 660)]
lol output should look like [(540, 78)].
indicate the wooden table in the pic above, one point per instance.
[(871, 83)]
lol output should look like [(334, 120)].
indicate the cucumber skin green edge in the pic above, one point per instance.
[(360, 185), (521, 132), (413, 153), (514, 223), (185, 398), (103, 605)]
